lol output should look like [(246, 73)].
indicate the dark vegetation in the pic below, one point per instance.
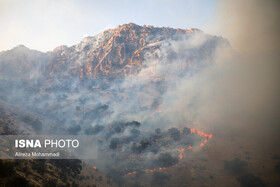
[(67, 170), (174, 133), (39, 166), (9, 177), (166, 160), (114, 143), (238, 168), (73, 130), (6, 169), (36, 124), (71, 167), (249, 180), (235, 166), (135, 132), (138, 148)]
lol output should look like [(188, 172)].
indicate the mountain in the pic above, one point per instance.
[(122, 86), (117, 74), (21, 62), (113, 53), (85, 82)]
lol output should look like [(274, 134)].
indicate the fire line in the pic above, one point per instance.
[(180, 150)]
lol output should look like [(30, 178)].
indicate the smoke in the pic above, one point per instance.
[(190, 80), (240, 83), (113, 111), (251, 26), (248, 84), (238, 94)]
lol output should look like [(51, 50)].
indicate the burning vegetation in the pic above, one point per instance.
[(135, 152), (114, 86), (137, 89)]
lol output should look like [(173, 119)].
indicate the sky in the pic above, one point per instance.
[(46, 24)]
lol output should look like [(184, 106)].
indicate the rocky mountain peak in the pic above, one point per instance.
[(60, 48), (117, 52)]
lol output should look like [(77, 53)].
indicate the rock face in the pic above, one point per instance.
[(114, 75), (122, 71), (113, 53)]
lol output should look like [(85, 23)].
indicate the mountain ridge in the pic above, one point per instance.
[(114, 52)]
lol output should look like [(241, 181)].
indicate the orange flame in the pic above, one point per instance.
[(181, 150), (181, 156)]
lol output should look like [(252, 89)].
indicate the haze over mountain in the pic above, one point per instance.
[(127, 70), (114, 85), (169, 107), (113, 53)]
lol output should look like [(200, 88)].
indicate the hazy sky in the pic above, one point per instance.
[(46, 24)]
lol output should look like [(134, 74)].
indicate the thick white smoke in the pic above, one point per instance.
[(239, 92)]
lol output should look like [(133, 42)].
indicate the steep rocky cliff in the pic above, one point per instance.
[(112, 53)]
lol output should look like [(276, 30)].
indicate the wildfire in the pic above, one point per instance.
[(181, 150), (134, 172), (180, 156), (202, 134)]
